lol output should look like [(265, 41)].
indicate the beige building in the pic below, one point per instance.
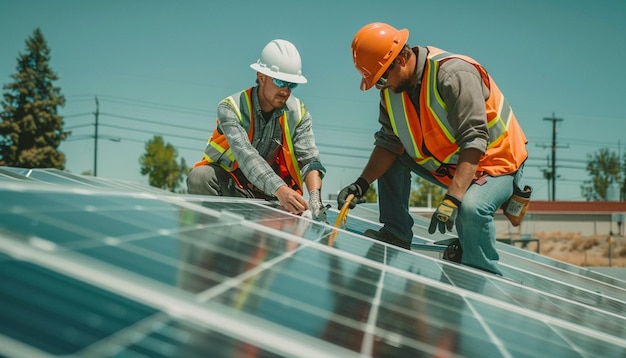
[(583, 217)]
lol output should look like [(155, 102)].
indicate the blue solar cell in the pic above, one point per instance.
[(58, 314)]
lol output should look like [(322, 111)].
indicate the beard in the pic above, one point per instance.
[(404, 86)]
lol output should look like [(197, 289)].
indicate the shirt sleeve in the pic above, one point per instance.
[(254, 167), (464, 93)]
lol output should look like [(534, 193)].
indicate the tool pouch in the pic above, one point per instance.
[(454, 251), (515, 208)]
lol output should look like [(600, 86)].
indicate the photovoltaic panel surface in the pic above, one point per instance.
[(97, 268)]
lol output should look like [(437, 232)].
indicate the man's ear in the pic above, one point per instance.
[(402, 60)]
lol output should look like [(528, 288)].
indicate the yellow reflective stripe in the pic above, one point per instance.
[(232, 102), (497, 128), (225, 157), (430, 164), (301, 112), (245, 120), (452, 156), (289, 143), (440, 56), (505, 111), (499, 125), (292, 119), (401, 129), (437, 107), (389, 107)]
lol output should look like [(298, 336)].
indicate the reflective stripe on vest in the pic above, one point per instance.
[(218, 150), (431, 139)]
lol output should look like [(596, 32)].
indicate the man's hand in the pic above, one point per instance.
[(358, 189), (318, 211), (291, 200), (445, 215)]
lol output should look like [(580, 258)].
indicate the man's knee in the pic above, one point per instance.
[(469, 208), (198, 181)]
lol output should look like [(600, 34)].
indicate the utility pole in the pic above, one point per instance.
[(553, 175), (95, 138), (622, 188), (548, 175)]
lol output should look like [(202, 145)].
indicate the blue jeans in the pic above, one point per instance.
[(475, 223)]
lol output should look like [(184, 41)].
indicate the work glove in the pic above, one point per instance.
[(445, 215), (358, 188), (318, 211)]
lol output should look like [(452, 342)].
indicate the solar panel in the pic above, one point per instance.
[(104, 268)]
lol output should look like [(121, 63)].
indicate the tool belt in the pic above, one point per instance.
[(247, 189), (515, 208)]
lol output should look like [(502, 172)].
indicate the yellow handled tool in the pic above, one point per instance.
[(340, 222)]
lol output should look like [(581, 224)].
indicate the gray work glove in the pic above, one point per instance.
[(318, 211), (358, 188)]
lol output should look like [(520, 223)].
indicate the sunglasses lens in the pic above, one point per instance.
[(283, 84)]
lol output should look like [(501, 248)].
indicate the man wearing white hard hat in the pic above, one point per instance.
[(263, 145)]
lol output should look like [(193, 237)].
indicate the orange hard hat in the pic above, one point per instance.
[(374, 47)]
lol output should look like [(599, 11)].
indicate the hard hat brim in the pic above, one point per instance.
[(278, 75)]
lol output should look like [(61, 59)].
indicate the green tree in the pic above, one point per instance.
[(370, 195), (159, 163), (31, 130), (604, 170), (622, 195), (422, 190)]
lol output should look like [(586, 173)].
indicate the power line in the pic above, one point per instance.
[(79, 126), (151, 121), (160, 106), (152, 132), (77, 115)]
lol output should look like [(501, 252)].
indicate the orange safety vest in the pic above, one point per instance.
[(430, 139), (286, 165)]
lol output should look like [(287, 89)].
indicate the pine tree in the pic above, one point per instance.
[(31, 130)]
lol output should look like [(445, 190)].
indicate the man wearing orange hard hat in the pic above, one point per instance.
[(442, 117)]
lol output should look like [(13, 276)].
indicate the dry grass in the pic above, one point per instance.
[(582, 250)]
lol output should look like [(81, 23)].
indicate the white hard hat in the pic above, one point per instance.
[(280, 59)]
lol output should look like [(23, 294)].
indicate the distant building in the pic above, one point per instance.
[(583, 217)]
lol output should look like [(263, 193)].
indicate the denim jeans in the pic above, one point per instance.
[(475, 220)]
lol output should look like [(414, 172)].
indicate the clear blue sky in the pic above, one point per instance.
[(161, 67)]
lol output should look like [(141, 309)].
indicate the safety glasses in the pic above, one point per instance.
[(382, 81), (283, 84)]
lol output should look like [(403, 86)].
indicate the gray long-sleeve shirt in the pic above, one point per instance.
[(464, 94), (254, 157)]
